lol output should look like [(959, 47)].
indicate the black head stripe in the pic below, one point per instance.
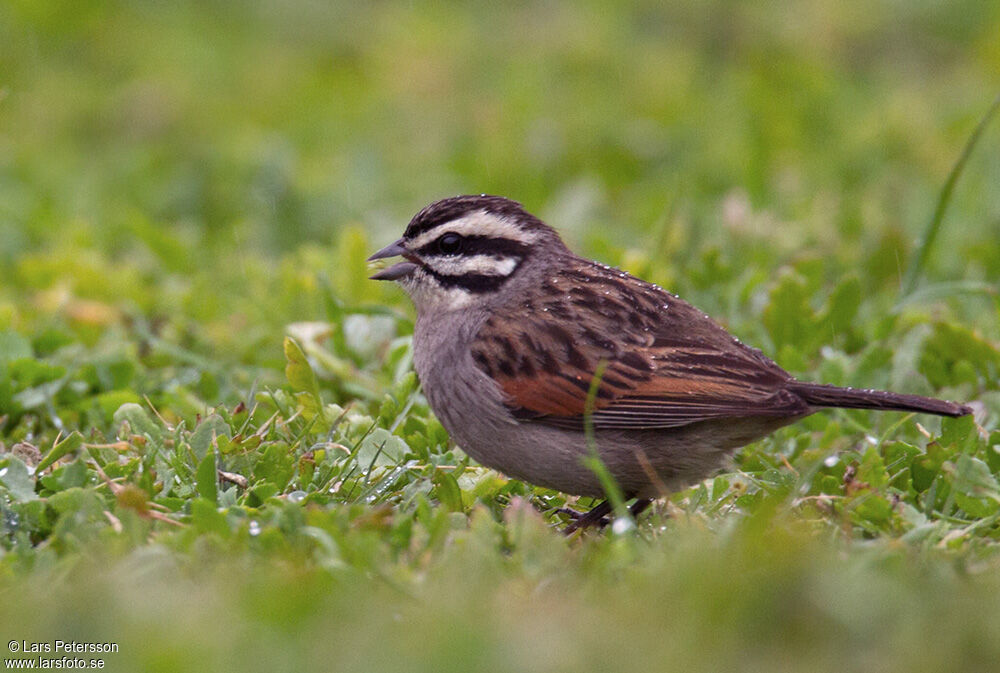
[(477, 283), (483, 245), (446, 210)]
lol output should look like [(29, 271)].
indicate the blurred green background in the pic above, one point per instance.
[(181, 182)]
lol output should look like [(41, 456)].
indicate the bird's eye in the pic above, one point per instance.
[(450, 244)]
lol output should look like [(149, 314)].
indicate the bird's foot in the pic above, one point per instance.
[(598, 516), (583, 519)]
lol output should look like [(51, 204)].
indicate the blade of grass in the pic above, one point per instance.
[(593, 460), (944, 198)]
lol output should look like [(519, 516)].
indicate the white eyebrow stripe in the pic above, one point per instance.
[(488, 265), (479, 223)]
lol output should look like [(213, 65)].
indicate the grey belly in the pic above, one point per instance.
[(644, 463)]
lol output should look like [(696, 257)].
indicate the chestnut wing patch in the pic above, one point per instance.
[(663, 363)]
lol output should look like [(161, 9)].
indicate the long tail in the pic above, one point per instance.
[(823, 395)]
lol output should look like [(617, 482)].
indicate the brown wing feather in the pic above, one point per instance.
[(666, 364)]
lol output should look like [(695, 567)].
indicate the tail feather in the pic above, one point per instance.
[(823, 395)]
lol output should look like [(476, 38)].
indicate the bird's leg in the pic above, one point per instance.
[(639, 506)]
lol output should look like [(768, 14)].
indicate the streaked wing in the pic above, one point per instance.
[(663, 363)]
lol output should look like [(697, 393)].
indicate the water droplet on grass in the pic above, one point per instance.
[(296, 496), (11, 520), (254, 528), (622, 525)]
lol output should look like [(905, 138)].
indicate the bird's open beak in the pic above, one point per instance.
[(398, 270)]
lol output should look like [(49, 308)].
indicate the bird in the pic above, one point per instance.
[(534, 359)]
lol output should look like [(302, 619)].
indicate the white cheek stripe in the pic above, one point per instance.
[(486, 265), (479, 223), (427, 294), (456, 297)]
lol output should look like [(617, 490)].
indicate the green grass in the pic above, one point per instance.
[(188, 192)]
